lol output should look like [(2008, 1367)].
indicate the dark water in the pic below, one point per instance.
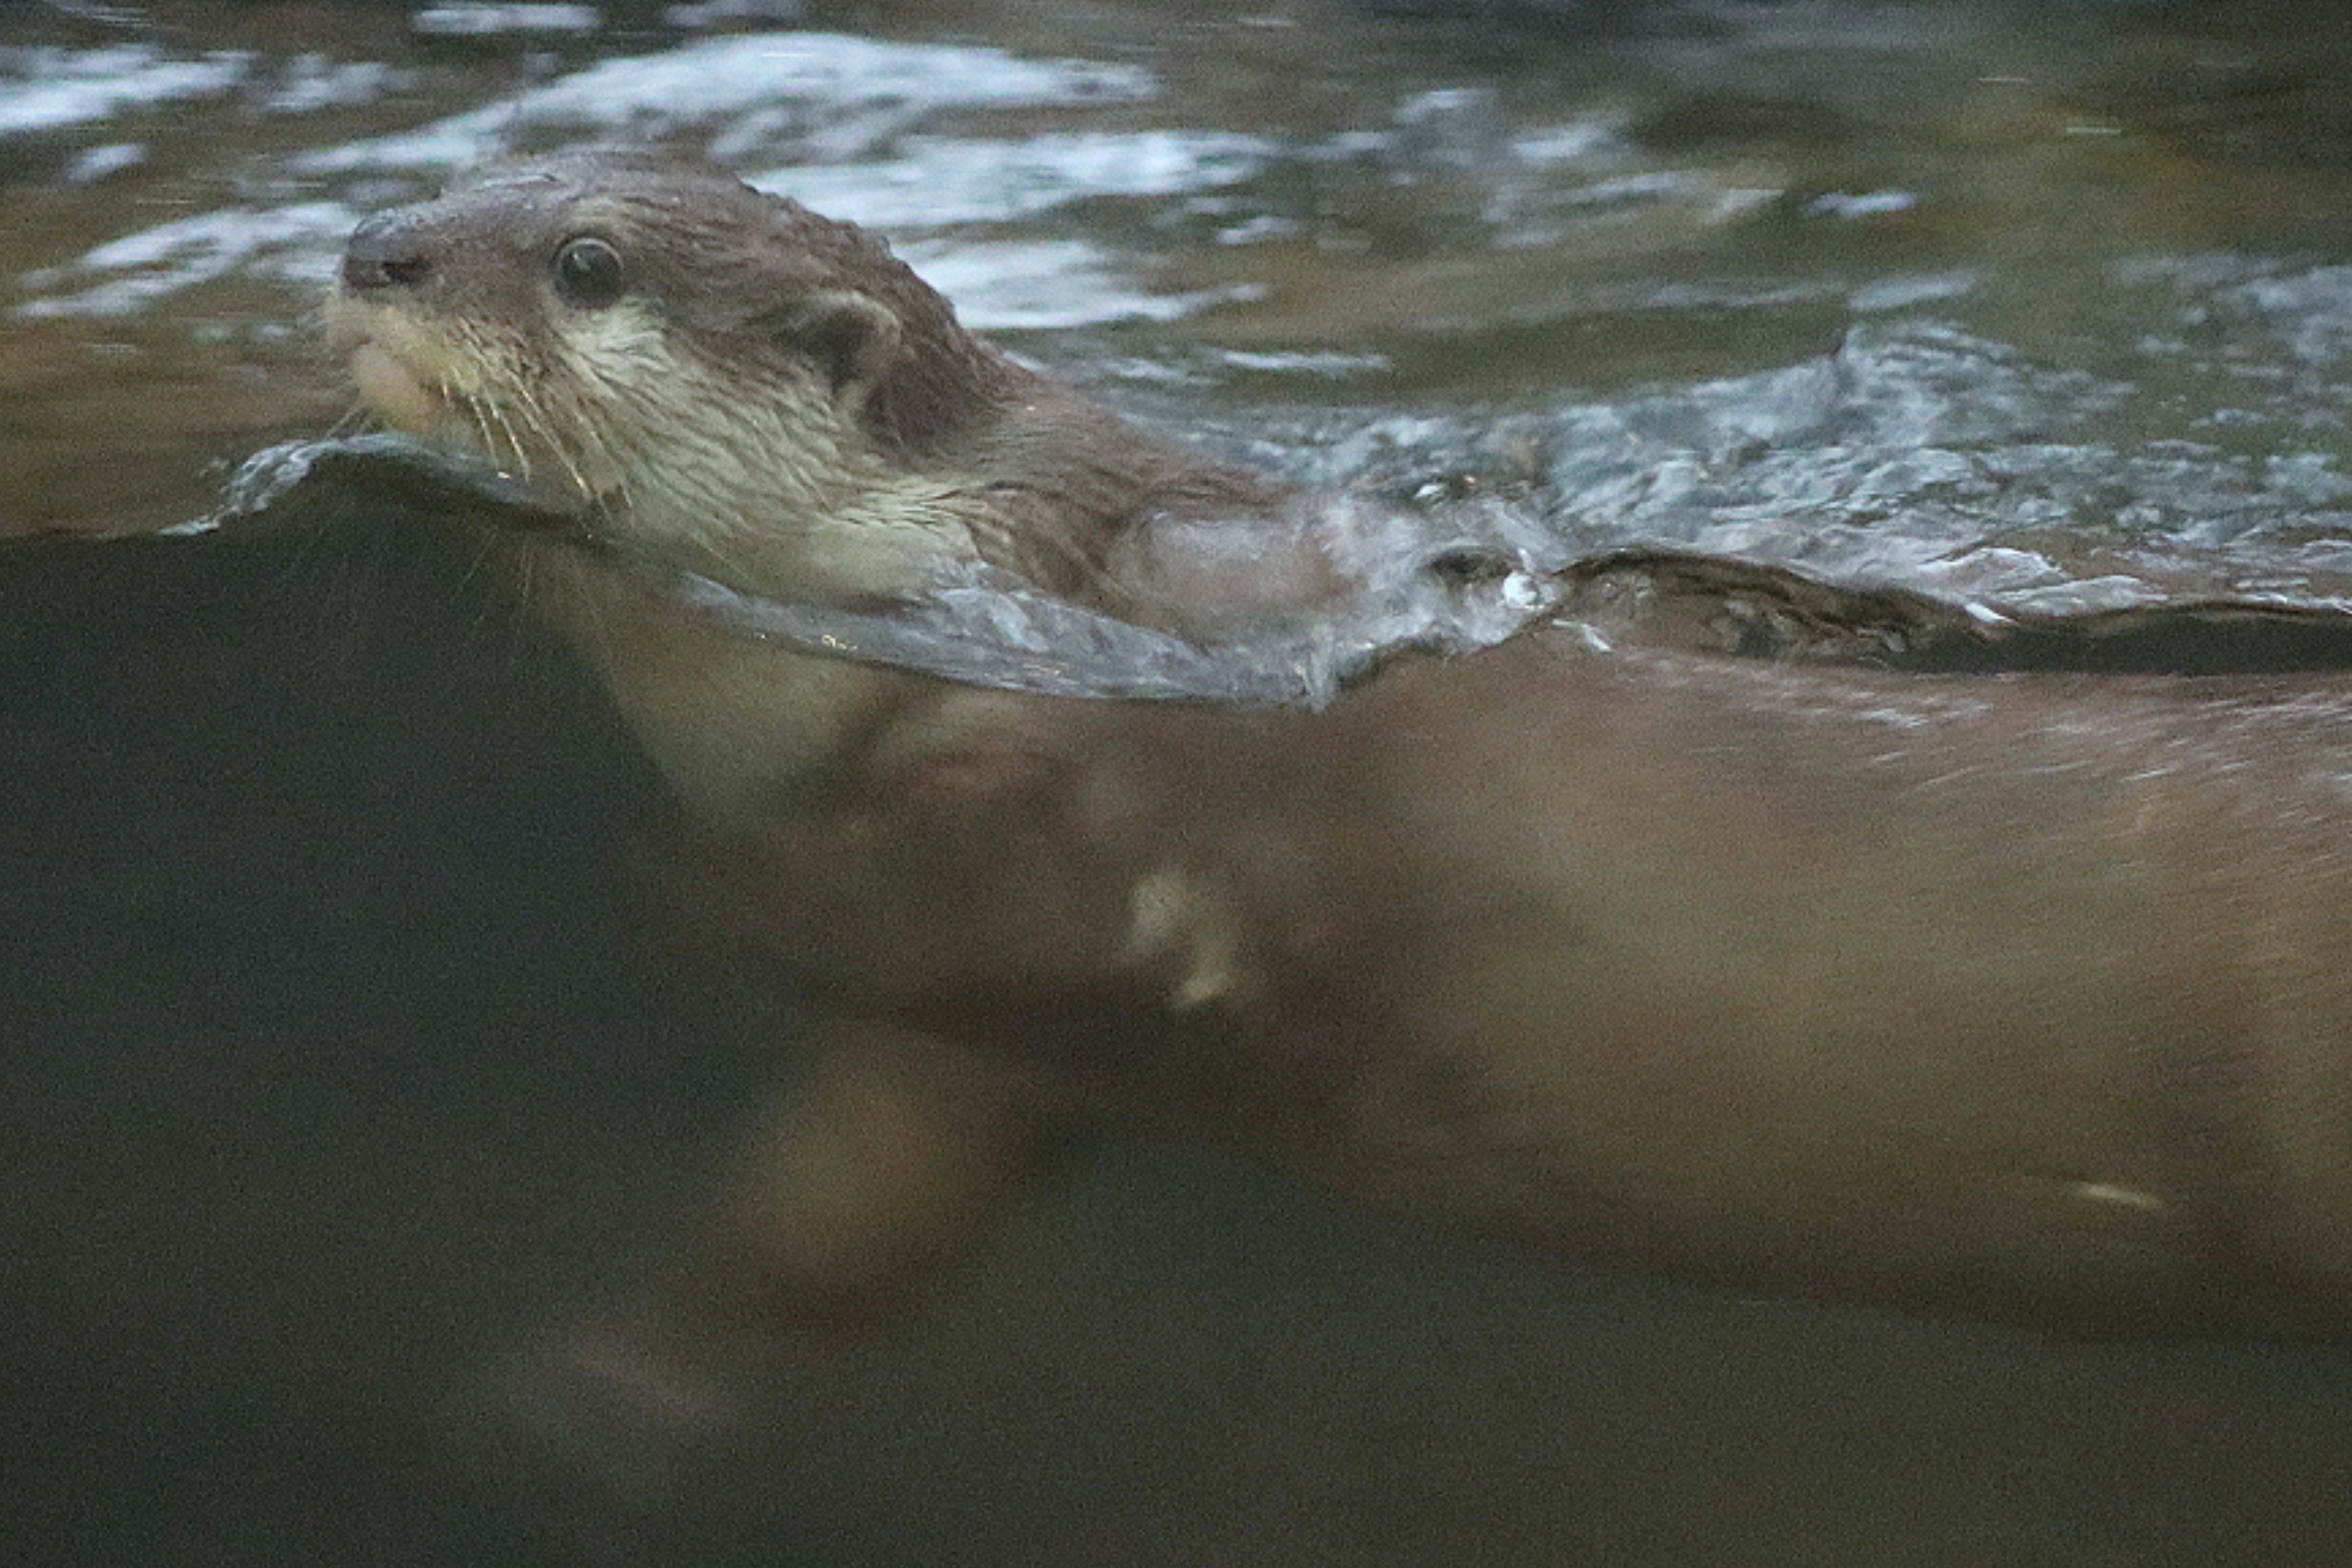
[(342, 1059)]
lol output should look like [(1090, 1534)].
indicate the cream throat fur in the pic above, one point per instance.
[(739, 728), (776, 495)]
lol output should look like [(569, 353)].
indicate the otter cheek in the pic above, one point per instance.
[(394, 391)]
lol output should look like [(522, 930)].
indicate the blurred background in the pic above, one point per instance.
[(339, 1056)]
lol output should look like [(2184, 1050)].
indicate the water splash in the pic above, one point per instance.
[(976, 623)]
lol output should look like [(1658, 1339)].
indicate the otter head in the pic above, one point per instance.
[(696, 367)]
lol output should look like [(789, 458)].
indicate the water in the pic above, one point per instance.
[(341, 1059)]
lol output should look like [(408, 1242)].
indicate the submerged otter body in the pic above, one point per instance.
[(2028, 997), (2023, 995)]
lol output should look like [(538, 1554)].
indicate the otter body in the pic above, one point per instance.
[(2029, 997), (2020, 995)]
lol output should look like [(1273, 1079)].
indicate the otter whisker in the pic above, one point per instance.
[(515, 442), (483, 429), (543, 425), (615, 497), (497, 440), (470, 408), (526, 575)]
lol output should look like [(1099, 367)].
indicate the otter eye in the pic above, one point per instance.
[(588, 272)]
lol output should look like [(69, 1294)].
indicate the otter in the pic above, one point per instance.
[(2020, 995)]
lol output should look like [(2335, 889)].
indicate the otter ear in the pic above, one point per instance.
[(854, 337)]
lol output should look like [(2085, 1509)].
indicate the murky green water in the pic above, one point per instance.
[(338, 1063)]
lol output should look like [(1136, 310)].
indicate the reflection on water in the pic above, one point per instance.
[(843, 94), (50, 88), (340, 1060), (251, 242)]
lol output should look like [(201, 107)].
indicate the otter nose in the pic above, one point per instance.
[(386, 251)]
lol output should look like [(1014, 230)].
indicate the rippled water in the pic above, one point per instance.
[(339, 1062), (1941, 296)]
